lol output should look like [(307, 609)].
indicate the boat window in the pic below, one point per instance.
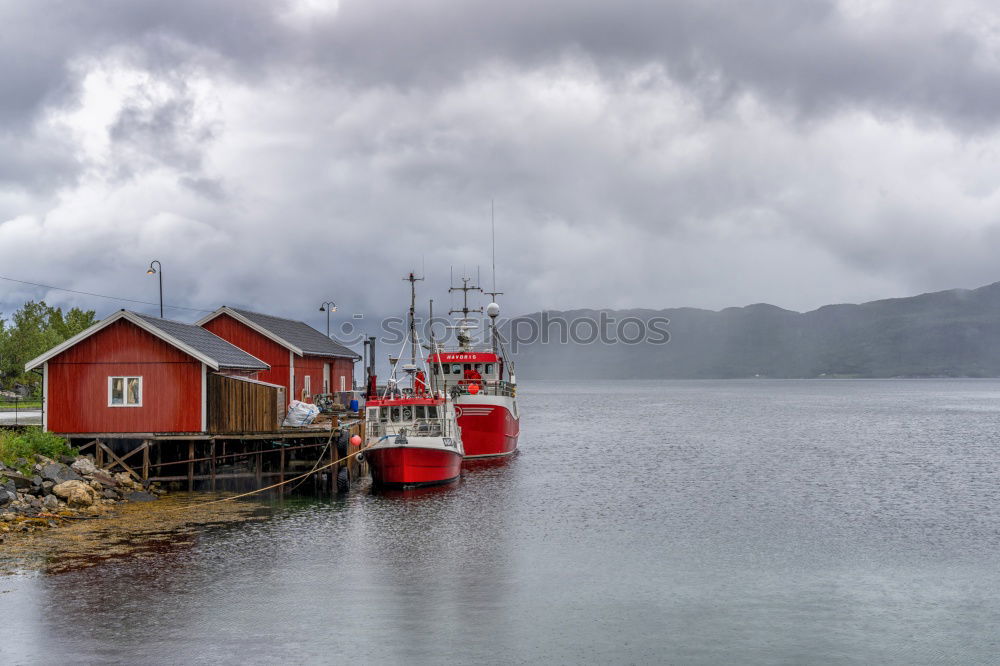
[(432, 411), (385, 413), (373, 414), (456, 369), (420, 412), (395, 414), (407, 413), (489, 368)]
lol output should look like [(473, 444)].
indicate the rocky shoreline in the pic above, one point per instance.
[(56, 492)]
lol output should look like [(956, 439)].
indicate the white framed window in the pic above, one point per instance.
[(124, 391)]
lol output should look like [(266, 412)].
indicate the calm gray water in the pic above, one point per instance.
[(643, 522)]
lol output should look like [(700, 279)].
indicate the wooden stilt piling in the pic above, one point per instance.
[(281, 468), (190, 465), (259, 466), (335, 469)]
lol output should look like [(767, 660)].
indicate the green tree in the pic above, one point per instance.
[(33, 330)]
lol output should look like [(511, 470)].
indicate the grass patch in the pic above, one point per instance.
[(27, 444), (21, 404)]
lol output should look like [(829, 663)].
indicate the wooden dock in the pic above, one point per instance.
[(213, 461)]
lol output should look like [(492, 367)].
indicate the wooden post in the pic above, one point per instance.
[(99, 454), (145, 460), (259, 469), (334, 470), (190, 465), (281, 471), (213, 465)]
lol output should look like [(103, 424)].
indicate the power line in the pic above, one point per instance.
[(113, 298)]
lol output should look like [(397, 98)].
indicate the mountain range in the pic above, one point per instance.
[(954, 333)]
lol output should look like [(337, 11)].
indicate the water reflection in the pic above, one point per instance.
[(726, 522), (139, 530)]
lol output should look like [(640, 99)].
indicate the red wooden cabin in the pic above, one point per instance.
[(301, 358), (132, 373)]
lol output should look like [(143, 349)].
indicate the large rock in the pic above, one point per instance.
[(19, 480), (84, 466), (6, 497), (58, 473), (51, 502), (75, 493), (140, 496), (105, 479)]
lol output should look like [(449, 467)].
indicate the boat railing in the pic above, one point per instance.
[(418, 428), (485, 387)]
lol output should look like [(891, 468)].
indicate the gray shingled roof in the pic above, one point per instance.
[(223, 353), (300, 334)]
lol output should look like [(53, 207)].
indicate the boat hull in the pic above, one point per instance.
[(490, 426), (401, 466)]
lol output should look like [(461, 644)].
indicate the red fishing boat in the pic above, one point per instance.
[(413, 441), (413, 436), (482, 383)]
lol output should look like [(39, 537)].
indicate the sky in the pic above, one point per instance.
[(276, 155)]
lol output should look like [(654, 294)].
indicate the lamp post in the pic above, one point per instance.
[(157, 271), (328, 307)]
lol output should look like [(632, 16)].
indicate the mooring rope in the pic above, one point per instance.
[(322, 453), (276, 485)]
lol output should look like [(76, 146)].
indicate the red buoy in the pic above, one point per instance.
[(473, 389), (355, 441)]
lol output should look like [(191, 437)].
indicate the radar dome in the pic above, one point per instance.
[(493, 309)]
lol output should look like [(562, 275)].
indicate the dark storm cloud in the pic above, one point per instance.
[(808, 54), (642, 153)]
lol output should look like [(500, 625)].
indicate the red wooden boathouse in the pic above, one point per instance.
[(301, 359), (132, 373)]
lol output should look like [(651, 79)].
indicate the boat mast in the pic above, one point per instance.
[(463, 334), (413, 279)]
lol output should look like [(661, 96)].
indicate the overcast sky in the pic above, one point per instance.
[(651, 154)]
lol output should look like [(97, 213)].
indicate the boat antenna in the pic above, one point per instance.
[(493, 244), (492, 309)]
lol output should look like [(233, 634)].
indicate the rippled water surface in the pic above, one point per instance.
[(686, 522)]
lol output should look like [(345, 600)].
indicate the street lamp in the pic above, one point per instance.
[(328, 307), (154, 271)]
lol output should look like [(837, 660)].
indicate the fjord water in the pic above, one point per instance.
[(642, 522)]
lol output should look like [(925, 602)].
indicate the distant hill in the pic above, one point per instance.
[(952, 333)]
